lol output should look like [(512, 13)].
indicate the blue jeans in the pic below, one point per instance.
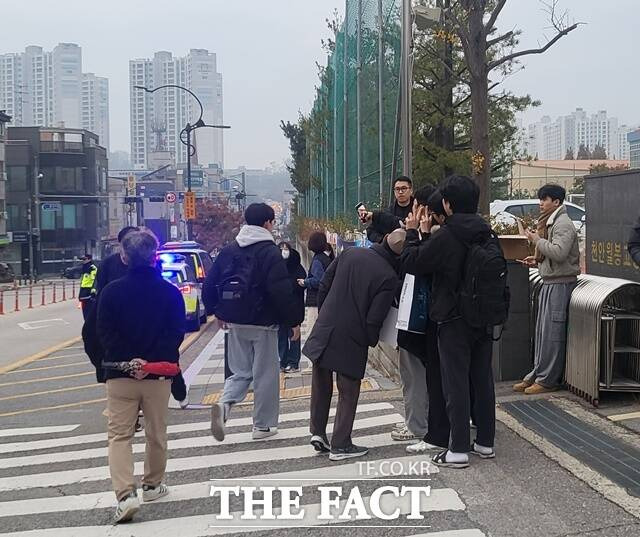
[(288, 350)]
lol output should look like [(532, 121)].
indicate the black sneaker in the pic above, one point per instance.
[(320, 443), (350, 452)]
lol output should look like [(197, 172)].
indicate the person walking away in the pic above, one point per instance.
[(112, 267), (289, 350), (463, 252), (557, 255), (383, 222), (355, 296), (412, 357), (322, 257), (249, 289), (87, 292), (149, 328)]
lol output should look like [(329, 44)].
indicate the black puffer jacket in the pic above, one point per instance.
[(296, 272), (443, 255), (384, 222)]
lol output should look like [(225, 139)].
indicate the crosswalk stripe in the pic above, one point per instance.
[(99, 473), (187, 443), (206, 379), (39, 430), (452, 533), (72, 364), (171, 429), (195, 526), (48, 379), (192, 491)]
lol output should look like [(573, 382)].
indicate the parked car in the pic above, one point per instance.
[(6, 273), (195, 255), (505, 211), (180, 274)]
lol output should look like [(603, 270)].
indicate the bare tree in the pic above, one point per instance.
[(485, 52)]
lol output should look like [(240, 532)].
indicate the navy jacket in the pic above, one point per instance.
[(140, 316)]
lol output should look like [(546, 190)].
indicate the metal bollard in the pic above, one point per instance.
[(1, 302), (31, 297), (54, 294), (73, 289), (43, 296), (17, 305), (64, 291)]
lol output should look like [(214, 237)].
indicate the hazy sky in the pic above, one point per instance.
[(267, 50)]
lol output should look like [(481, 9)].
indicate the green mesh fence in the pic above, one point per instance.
[(352, 142)]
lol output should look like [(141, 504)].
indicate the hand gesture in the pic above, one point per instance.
[(426, 223), (301, 282), (413, 220), (296, 333), (137, 372), (532, 236), (529, 261)]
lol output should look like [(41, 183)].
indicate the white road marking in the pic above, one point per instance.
[(205, 380), (202, 358), (187, 443), (39, 430), (198, 525), (99, 473), (38, 325), (192, 491), (33, 445)]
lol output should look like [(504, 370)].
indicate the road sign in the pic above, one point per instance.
[(170, 197), (20, 236), (190, 205), (51, 206)]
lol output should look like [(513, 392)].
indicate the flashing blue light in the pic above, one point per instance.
[(168, 274), (167, 258)]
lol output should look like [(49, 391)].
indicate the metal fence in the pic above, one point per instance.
[(353, 139)]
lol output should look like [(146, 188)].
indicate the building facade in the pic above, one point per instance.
[(4, 120), (157, 118), (634, 148), (49, 89), (56, 190), (550, 139)]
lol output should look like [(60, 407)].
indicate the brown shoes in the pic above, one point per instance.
[(538, 388), (522, 386)]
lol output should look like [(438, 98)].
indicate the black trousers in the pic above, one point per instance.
[(321, 393), (465, 355), (437, 419)]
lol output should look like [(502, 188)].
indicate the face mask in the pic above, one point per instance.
[(285, 254)]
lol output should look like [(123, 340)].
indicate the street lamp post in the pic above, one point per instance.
[(187, 131)]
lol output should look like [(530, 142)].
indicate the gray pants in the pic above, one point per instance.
[(551, 334), (414, 392), (253, 357)]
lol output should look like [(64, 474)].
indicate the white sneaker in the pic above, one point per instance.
[(184, 403), (126, 508), (217, 421), (403, 433), (264, 432), (422, 447), (150, 494)]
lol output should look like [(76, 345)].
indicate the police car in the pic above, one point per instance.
[(195, 256), (176, 269)]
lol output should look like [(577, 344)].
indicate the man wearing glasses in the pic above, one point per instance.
[(382, 223)]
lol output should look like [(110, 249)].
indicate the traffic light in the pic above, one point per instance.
[(190, 205)]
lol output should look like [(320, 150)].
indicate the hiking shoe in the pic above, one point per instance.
[(320, 443), (441, 460), (422, 447), (350, 452), (522, 386), (217, 421), (403, 433), (149, 493), (127, 507), (264, 432), (536, 388)]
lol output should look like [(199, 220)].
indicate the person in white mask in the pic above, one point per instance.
[(289, 349)]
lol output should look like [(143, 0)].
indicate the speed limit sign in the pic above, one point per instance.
[(170, 197)]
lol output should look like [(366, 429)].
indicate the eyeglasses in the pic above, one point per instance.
[(401, 188)]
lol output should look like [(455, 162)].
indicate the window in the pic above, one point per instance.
[(574, 213), (69, 217), (515, 210), (48, 219), (17, 218), (16, 178), (532, 209)]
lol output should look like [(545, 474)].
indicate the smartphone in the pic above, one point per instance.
[(362, 217)]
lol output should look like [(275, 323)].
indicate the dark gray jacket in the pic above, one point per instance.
[(355, 297)]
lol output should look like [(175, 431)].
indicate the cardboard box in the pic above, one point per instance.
[(515, 246)]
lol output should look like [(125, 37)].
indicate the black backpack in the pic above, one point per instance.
[(484, 296), (240, 290)]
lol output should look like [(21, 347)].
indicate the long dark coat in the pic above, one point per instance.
[(355, 296)]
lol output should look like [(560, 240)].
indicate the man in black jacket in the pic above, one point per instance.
[(112, 267), (249, 289), (354, 299), (464, 351), (140, 316), (382, 223)]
